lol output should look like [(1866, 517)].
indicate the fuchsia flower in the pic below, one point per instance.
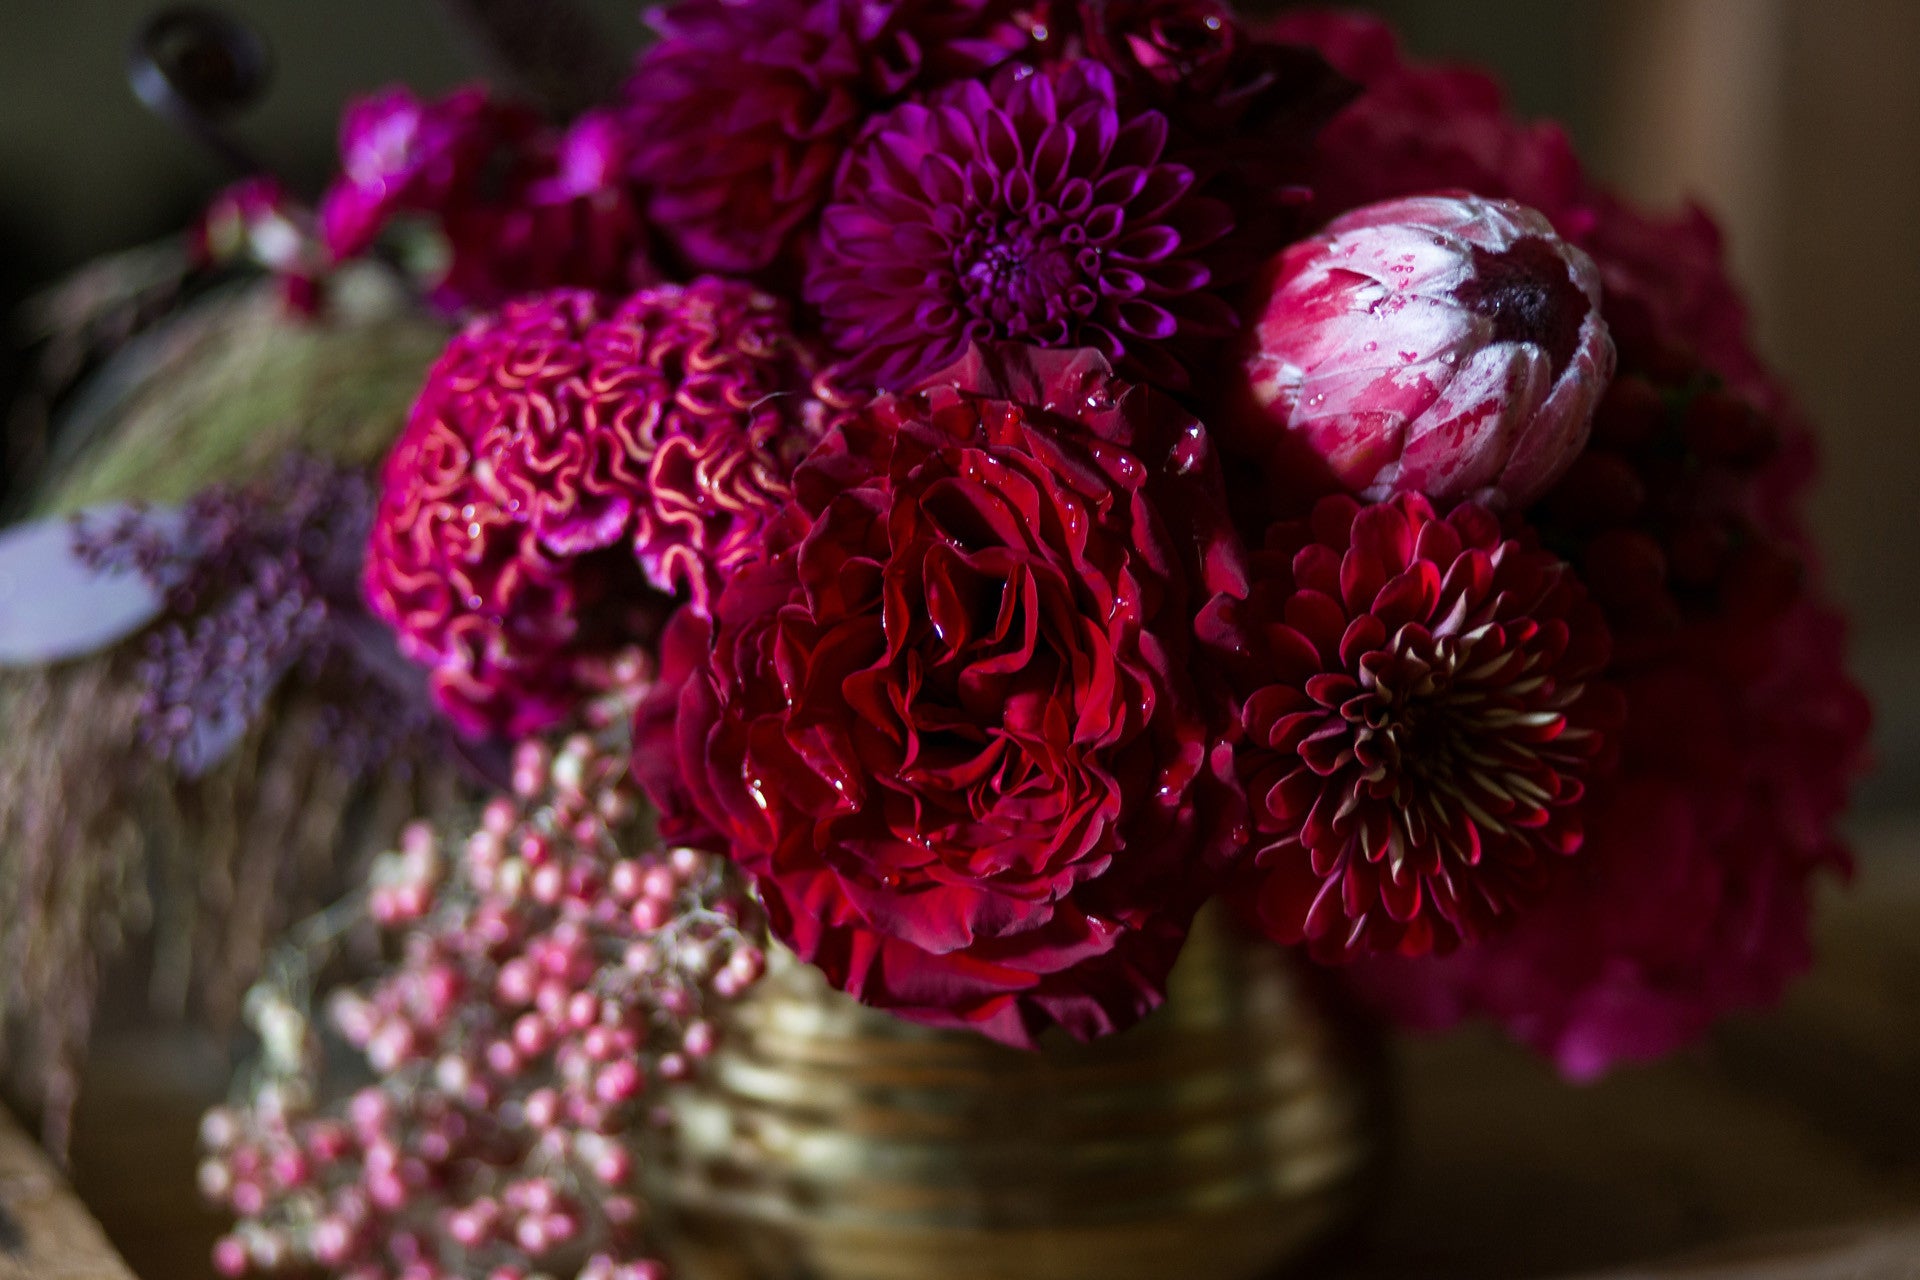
[(521, 207), (950, 725), (1444, 345), (742, 110), (1027, 208), (1422, 711), (564, 456)]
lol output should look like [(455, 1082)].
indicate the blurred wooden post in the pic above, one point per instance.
[(45, 1233), (1695, 111)]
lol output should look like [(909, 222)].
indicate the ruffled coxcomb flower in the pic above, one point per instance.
[(1444, 345), (1025, 208), (1422, 709), (566, 455)]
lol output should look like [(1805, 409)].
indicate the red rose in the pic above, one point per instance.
[(949, 725)]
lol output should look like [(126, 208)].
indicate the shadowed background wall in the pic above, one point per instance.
[(1798, 121)]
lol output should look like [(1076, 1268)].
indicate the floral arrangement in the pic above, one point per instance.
[(969, 483)]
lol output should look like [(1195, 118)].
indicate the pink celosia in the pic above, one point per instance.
[(564, 455)]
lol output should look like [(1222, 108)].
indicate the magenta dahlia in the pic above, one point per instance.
[(742, 110), (951, 727), (1422, 711), (564, 455), (1026, 208)]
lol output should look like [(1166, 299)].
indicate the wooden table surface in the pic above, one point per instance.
[(1787, 1148)]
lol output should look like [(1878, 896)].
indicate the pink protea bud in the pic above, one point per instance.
[(1444, 345)]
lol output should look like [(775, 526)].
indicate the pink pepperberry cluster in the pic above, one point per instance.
[(548, 969)]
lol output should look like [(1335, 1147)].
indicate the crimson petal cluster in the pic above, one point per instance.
[(950, 727), (1422, 712)]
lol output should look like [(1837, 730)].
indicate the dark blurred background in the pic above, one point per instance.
[(1797, 121)]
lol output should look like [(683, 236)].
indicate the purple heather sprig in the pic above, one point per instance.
[(260, 581), (551, 967)]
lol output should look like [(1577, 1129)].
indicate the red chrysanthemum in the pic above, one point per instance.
[(1027, 208), (1422, 711), (742, 110), (560, 448), (951, 728)]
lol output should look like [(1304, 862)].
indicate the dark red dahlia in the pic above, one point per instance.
[(1422, 710), (563, 454), (1695, 893), (951, 727), (1028, 208), (742, 110)]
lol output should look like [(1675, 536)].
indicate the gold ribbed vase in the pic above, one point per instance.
[(1222, 1139)]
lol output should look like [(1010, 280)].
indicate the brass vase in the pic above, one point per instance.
[(1224, 1138)]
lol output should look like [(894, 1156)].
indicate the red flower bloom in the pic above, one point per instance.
[(1744, 732), (949, 727), (1422, 711), (1443, 345), (556, 452), (1694, 894)]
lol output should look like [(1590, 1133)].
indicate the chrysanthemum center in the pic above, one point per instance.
[(1024, 278), (1438, 732)]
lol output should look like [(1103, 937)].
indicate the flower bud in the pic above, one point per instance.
[(1443, 344)]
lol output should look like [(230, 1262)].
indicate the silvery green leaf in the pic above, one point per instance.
[(54, 606)]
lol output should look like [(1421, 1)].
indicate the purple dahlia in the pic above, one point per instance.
[(742, 110), (1023, 209)]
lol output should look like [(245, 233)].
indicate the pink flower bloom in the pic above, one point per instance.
[(565, 455), (1026, 208), (521, 207), (1444, 345)]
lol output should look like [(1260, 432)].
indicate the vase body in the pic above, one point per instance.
[(1225, 1137)]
